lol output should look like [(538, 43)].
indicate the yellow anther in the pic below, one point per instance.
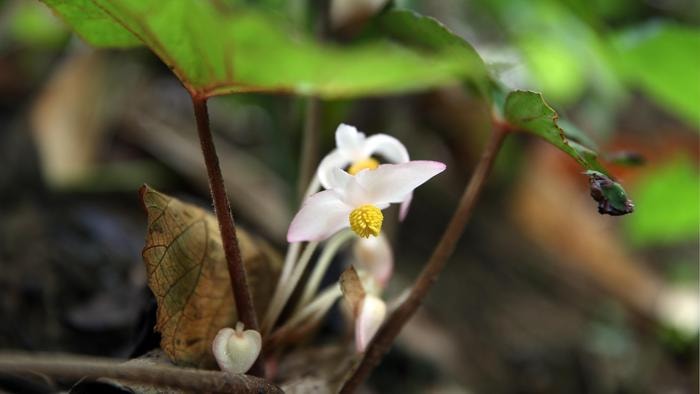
[(366, 220), (368, 163)]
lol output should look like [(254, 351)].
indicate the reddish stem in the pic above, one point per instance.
[(222, 208), (387, 333)]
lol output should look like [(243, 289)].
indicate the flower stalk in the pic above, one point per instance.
[(285, 289), (222, 208)]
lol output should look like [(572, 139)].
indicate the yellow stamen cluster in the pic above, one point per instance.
[(368, 163), (366, 220)]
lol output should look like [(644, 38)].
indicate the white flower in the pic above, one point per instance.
[(355, 150), (357, 201)]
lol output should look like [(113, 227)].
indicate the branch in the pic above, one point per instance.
[(444, 249), (222, 208), (188, 379)]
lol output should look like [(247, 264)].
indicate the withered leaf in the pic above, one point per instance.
[(188, 275), (351, 286)]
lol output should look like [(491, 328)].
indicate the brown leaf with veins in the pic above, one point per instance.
[(188, 275)]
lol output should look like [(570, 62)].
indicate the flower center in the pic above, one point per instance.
[(364, 164), (366, 220)]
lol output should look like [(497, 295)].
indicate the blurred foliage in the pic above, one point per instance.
[(35, 26), (664, 60), (668, 208), (575, 47)]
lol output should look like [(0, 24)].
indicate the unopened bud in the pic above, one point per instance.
[(236, 350), (374, 255), (370, 317)]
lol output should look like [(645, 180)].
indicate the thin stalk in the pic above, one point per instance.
[(329, 251), (311, 313), (239, 283), (283, 292), (293, 250), (165, 376), (289, 262), (309, 146), (386, 335)]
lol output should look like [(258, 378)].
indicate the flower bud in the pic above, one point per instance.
[(369, 318), (236, 350), (374, 255)]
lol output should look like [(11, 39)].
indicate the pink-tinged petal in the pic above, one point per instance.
[(369, 319), (349, 141), (321, 216), (387, 146), (332, 161), (405, 204), (391, 183), (339, 180)]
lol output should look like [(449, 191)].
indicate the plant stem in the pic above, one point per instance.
[(386, 335), (227, 227), (187, 379), (309, 147)]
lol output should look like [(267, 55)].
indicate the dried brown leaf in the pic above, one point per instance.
[(351, 286), (188, 275)]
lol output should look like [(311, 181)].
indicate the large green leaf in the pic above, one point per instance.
[(664, 61), (527, 111), (215, 50)]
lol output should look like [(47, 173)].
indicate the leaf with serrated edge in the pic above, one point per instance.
[(188, 275), (527, 111)]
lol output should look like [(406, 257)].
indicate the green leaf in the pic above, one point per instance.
[(425, 32), (215, 50), (527, 111), (663, 59), (92, 23), (668, 205)]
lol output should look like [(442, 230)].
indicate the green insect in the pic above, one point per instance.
[(611, 197)]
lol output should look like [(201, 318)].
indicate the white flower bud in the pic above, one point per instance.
[(374, 255), (370, 317), (236, 350)]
